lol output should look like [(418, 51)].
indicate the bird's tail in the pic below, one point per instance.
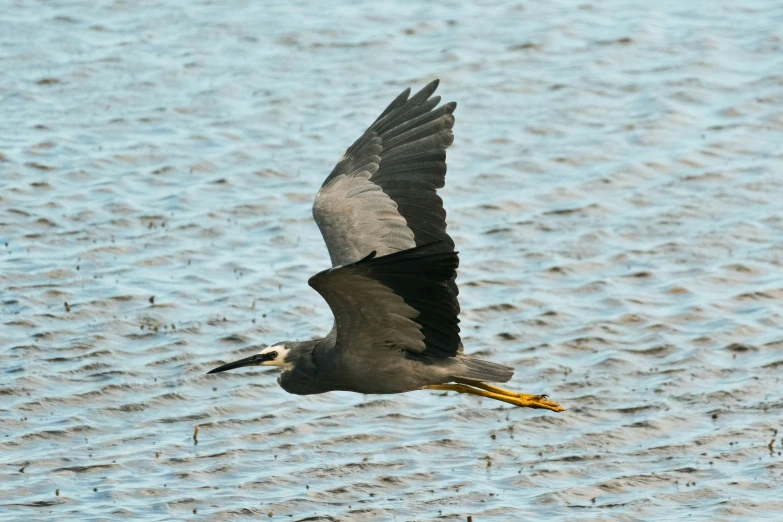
[(478, 370)]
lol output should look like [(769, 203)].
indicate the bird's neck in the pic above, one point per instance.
[(306, 374)]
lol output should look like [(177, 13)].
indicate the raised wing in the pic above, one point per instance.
[(381, 196), (399, 301)]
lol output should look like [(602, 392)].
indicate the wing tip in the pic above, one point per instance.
[(426, 92)]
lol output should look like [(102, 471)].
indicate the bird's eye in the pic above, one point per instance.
[(273, 355)]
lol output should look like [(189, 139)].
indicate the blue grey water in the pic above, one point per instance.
[(615, 190)]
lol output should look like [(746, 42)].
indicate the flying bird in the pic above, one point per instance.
[(392, 286)]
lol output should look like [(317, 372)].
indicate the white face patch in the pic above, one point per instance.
[(279, 361)]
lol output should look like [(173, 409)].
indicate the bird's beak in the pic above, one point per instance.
[(253, 360)]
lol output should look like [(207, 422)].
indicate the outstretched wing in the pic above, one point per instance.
[(382, 196), (399, 301)]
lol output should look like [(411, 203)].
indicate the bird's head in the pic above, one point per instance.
[(275, 355)]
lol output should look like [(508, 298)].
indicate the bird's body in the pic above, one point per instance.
[(392, 286), (319, 368)]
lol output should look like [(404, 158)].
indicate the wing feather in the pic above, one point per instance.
[(400, 301), (381, 195)]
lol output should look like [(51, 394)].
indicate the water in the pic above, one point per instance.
[(614, 189)]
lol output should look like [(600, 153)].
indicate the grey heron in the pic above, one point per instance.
[(392, 286)]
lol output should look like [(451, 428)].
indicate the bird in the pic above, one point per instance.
[(392, 285)]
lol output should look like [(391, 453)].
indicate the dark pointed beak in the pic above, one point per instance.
[(253, 360)]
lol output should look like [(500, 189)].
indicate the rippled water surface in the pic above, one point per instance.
[(615, 190)]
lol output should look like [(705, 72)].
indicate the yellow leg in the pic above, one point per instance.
[(517, 399), (503, 391)]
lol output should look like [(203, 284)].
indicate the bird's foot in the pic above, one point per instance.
[(535, 401)]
